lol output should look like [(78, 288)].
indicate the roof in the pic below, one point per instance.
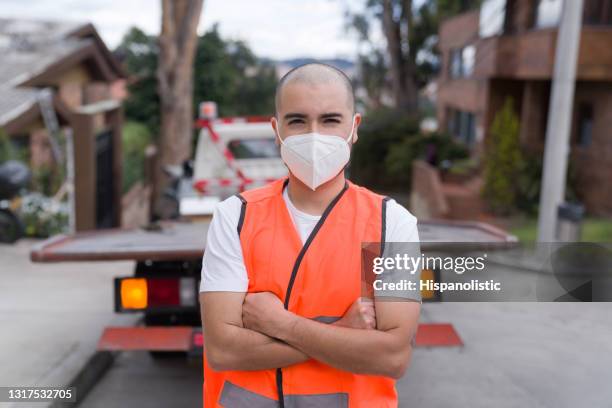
[(32, 48)]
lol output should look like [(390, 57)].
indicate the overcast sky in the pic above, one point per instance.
[(278, 29)]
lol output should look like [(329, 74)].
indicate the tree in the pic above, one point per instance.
[(504, 161), (412, 58), (397, 24), (177, 46), (139, 53), (225, 71)]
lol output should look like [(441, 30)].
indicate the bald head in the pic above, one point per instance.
[(316, 74)]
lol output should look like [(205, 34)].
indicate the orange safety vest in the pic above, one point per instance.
[(319, 279)]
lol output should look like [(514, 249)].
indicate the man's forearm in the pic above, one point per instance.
[(244, 349), (252, 350), (356, 350)]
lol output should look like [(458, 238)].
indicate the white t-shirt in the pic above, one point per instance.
[(223, 267)]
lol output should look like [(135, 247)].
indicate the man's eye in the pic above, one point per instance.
[(332, 121), (295, 121)]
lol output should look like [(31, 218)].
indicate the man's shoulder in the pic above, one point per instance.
[(393, 208), (264, 192), (398, 211), (228, 208)]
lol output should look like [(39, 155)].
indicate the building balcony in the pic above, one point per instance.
[(530, 55)]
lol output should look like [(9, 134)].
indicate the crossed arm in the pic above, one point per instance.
[(255, 332)]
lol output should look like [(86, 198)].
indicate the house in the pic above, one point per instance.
[(59, 76), (507, 49)]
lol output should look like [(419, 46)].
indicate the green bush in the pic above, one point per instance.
[(136, 137), (380, 130), (529, 183), (389, 141), (42, 217), (9, 151), (6, 150), (435, 148), (504, 161)]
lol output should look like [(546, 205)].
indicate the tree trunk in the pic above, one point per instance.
[(397, 33), (177, 45)]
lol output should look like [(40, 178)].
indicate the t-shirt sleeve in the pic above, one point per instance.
[(401, 224), (222, 263), (402, 237)]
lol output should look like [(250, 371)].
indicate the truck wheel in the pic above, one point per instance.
[(11, 228)]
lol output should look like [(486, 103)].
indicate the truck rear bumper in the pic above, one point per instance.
[(189, 339), (152, 338)]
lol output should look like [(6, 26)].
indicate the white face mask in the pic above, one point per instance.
[(315, 158)]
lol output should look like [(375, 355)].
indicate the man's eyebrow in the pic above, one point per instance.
[(294, 115), (331, 115)]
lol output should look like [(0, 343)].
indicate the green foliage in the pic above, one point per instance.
[(225, 71), (136, 137), (139, 53), (529, 183), (380, 129), (422, 39), (47, 179), (228, 73), (593, 229), (464, 167), (42, 217), (504, 161), (441, 148), (11, 151), (389, 141), (6, 149)]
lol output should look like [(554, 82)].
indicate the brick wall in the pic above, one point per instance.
[(593, 163)]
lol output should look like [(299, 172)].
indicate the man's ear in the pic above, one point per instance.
[(274, 124), (358, 118)]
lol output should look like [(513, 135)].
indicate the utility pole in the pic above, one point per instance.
[(557, 146)]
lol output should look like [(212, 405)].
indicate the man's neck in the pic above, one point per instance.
[(314, 202)]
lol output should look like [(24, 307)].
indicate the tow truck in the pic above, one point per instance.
[(232, 154)]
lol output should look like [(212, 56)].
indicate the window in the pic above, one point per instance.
[(598, 12), (492, 17), (462, 126), (263, 148), (548, 13), (455, 63), (467, 60), (461, 61), (585, 124)]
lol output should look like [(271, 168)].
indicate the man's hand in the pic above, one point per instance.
[(231, 346), (361, 315), (263, 312)]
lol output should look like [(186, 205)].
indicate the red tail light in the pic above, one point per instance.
[(134, 294), (163, 292)]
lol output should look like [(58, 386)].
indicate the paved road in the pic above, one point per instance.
[(515, 355), (138, 380), (51, 316)]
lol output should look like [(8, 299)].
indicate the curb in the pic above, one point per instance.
[(87, 377)]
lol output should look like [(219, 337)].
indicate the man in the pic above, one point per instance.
[(283, 321)]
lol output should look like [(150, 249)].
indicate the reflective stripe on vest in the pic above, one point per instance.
[(319, 280), (233, 396)]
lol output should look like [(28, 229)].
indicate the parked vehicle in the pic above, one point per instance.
[(232, 154)]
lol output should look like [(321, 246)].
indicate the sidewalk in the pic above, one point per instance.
[(52, 315), (515, 355)]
